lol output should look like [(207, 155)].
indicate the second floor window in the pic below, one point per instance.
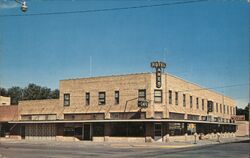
[(202, 104), (184, 100), (191, 101), (220, 108), (217, 107), (176, 98), (87, 98), (66, 99), (158, 96), (117, 97), (141, 95), (170, 97), (102, 98), (197, 103)]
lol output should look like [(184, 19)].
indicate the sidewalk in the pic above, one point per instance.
[(181, 144), (128, 144)]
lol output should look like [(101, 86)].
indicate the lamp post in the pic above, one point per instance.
[(24, 6)]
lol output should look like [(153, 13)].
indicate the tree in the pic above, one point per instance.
[(54, 94), (3, 92), (245, 111), (16, 94), (31, 92)]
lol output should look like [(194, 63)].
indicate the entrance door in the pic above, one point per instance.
[(86, 132), (158, 132), (23, 132)]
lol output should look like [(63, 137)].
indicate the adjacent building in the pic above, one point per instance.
[(146, 107), (7, 113)]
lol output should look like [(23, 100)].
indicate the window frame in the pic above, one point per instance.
[(184, 100), (117, 97), (87, 98), (160, 96), (142, 97), (170, 97), (176, 98), (203, 104), (217, 107), (191, 101), (66, 99), (220, 108), (102, 101), (197, 103)]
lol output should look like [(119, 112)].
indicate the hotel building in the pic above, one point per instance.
[(143, 107)]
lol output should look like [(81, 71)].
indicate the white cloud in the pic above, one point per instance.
[(7, 4)]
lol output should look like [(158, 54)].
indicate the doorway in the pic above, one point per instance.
[(23, 132), (158, 132), (87, 132)]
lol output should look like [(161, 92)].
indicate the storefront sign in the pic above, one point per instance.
[(238, 117)]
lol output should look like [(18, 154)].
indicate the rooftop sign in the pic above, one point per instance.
[(159, 66)]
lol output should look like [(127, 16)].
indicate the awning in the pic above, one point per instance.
[(127, 120)]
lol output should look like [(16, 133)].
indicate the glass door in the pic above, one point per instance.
[(86, 132), (158, 132)]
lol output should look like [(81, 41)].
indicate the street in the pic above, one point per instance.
[(67, 150)]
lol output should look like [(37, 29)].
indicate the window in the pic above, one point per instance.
[(197, 103), (87, 98), (68, 131), (102, 98), (141, 96), (128, 129), (158, 96), (191, 101), (176, 129), (184, 100), (170, 97), (117, 97), (224, 109), (217, 108), (176, 98), (220, 108), (202, 104), (66, 99), (98, 129)]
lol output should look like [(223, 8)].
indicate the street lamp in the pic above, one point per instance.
[(24, 7)]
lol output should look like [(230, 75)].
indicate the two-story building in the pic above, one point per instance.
[(144, 107)]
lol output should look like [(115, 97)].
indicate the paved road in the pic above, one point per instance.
[(86, 150)]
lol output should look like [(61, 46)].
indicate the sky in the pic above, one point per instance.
[(204, 42)]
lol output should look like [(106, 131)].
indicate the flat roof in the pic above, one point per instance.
[(127, 120)]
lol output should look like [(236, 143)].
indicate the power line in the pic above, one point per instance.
[(106, 9)]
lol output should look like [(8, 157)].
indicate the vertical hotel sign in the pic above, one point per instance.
[(159, 67)]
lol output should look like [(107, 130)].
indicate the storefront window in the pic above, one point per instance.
[(127, 129), (69, 131), (98, 129), (176, 129)]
